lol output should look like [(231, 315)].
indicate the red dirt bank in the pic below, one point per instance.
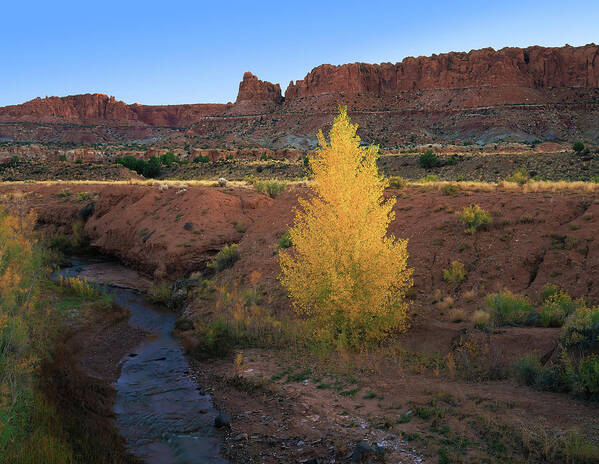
[(535, 238)]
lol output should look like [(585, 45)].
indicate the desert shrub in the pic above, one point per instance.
[(225, 258), (204, 289), (62, 158), (201, 159), (589, 375), (285, 241), (168, 159), (520, 176), (239, 321), (272, 188), (595, 179), (556, 307), (457, 315), (469, 295), (64, 193), (428, 160), (455, 274), (30, 430), (563, 375), (79, 286), (527, 369), (164, 294), (506, 308), (549, 290), (345, 273), (130, 162), (397, 182), (450, 189), (429, 178), (581, 329), (83, 196), (148, 169), (445, 303), (578, 146), (240, 226), (152, 168), (481, 319), (474, 217)]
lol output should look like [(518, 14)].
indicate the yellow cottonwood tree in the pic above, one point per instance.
[(344, 271)]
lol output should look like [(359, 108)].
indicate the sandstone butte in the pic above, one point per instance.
[(424, 90)]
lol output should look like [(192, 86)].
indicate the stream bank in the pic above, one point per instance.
[(132, 370)]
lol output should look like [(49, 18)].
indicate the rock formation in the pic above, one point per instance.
[(484, 96), (535, 67), (253, 89)]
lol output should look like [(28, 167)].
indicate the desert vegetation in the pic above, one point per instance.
[(315, 297)]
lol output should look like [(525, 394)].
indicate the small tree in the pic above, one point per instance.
[(344, 271), (428, 160), (578, 146)]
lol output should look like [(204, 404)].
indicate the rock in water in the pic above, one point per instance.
[(222, 420)]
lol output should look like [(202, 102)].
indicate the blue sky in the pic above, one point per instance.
[(192, 52)]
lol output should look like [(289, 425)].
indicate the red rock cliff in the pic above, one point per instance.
[(83, 109), (253, 89), (537, 67)]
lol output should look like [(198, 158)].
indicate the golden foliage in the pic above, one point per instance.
[(344, 271)]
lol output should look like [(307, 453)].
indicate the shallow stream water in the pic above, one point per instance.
[(160, 411)]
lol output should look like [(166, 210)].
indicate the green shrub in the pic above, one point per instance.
[(62, 158), (225, 258), (527, 369), (556, 308), (506, 308), (168, 159), (589, 375), (428, 160), (581, 329), (152, 168), (285, 241), (520, 176), (202, 159), (271, 188), (163, 293), (578, 146), (83, 196), (148, 169), (549, 290), (474, 217), (205, 289), (455, 274)]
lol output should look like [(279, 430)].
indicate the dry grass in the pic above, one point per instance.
[(457, 315), (481, 319), (446, 303), (464, 186), (469, 295)]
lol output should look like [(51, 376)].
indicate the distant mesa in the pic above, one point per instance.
[(534, 93)]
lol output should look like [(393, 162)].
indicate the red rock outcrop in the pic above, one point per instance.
[(253, 89), (536, 67), (485, 96)]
